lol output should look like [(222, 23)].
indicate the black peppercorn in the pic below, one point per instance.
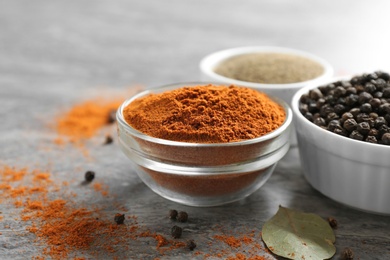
[(340, 131), (176, 232), (387, 118), (386, 138), (364, 97), (383, 75), (366, 108), (312, 107), (304, 99), (320, 102), (111, 117), (347, 254), (309, 116), (330, 99), (332, 125), (332, 222), (371, 139), (356, 135), (373, 116), (373, 132), (325, 110), (352, 99), (346, 116), (351, 90), (315, 116), (384, 108), (319, 121), (380, 84), (378, 94), (362, 117), (369, 87), (386, 93), (331, 116), (363, 128), (339, 109), (89, 176), (355, 111), (303, 108), (191, 245), (371, 76), (383, 130), (119, 218), (339, 92), (350, 125), (108, 140), (182, 216), (380, 121), (315, 94), (172, 214), (375, 103)]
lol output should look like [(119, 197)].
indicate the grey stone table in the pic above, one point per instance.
[(54, 54)]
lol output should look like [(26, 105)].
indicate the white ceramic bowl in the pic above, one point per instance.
[(202, 174), (352, 172), (283, 91)]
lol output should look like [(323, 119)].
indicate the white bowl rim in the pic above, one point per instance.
[(342, 139), (207, 64), (277, 132)]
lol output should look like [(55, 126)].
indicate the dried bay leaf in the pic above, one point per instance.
[(298, 235)]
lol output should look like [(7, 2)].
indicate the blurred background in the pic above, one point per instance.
[(77, 44)]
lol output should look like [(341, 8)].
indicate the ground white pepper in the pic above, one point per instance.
[(269, 68)]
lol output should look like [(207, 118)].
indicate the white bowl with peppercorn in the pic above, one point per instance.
[(204, 145), (343, 131)]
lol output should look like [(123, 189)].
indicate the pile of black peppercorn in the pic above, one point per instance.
[(358, 109)]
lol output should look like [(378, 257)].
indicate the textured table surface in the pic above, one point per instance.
[(55, 54)]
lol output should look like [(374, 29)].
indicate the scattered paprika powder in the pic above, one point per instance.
[(84, 120)]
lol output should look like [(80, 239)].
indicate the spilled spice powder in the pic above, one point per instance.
[(244, 247), (103, 189), (230, 240), (86, 119), (65, 229)]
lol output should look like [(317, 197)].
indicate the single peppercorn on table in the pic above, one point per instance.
[(57, 55)]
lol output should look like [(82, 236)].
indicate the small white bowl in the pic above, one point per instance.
[(352, 172), (283, 91)]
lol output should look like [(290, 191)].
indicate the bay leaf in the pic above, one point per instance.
[(298, 235)]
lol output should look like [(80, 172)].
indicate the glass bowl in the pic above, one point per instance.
[(202, 174)]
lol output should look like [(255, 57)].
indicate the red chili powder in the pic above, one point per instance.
[(247, 244), (205, 114), (103, 189), (65, 228), (230, 240), (86, 119)]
